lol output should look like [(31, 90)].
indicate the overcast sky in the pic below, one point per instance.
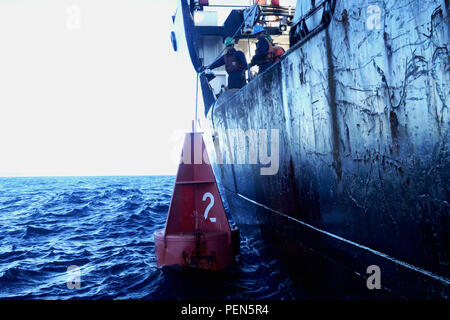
[(91, 87)]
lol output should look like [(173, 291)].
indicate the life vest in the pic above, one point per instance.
[(232, 64), (278, 52), (274, 53)]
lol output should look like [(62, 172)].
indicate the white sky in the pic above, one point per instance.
[(95, 93), (104, 99)]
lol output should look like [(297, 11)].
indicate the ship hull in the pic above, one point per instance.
[(363, 150), (361, 114)]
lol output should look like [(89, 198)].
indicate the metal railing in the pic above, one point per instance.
[(299, 29)]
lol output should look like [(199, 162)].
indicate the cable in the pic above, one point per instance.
[(249, 56), (196, 104)]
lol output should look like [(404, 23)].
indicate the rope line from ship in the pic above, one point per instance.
[(378, 253)]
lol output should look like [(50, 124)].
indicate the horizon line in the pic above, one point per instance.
[(88, 175)]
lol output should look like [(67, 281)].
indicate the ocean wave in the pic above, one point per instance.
[(130, 206), (105, 225), (36, 231), (158, 206), (77, 211), (16, 274), (8, 256)]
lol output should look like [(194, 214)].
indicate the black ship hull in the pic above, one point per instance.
[(362, 122)]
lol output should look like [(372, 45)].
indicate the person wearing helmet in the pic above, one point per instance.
[(235, 65), (277, 50), (262, 57)]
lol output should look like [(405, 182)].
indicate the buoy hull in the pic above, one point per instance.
[(201, 250), (197, 232)]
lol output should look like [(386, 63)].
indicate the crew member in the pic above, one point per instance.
[(277, 50), (235, 65), (263, 57)]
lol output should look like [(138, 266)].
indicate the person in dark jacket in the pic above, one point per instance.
[(235, 65), (262, 55)]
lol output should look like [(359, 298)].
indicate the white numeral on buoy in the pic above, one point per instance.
[(205, 196)]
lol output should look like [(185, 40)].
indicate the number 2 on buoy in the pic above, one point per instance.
[(210, 196)]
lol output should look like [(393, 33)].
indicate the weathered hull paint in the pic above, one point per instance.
[(364, 144)]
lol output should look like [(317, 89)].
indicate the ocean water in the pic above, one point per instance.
[(105, 225)]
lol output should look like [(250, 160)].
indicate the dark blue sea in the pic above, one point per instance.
[(104, 226)]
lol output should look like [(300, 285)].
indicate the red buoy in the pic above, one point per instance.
[(197, 232)]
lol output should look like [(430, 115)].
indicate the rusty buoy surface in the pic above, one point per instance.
[(197, 232)]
